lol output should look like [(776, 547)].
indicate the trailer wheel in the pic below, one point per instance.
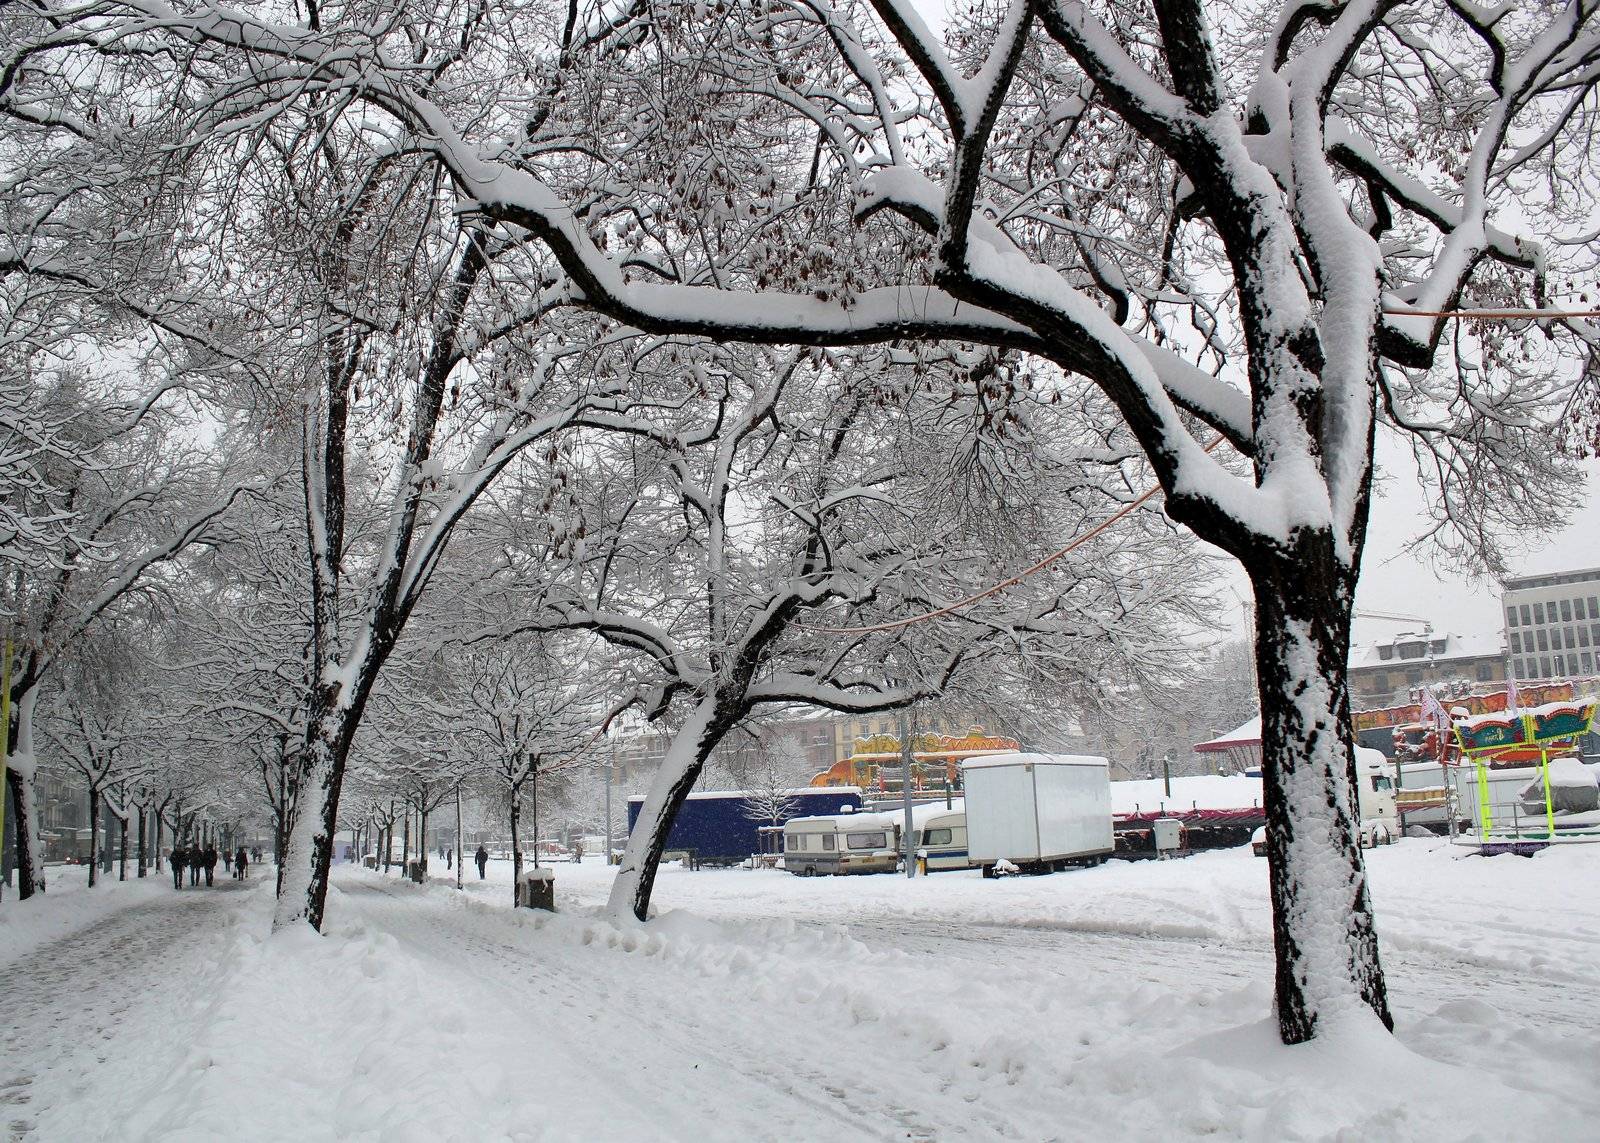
[(988, 871)]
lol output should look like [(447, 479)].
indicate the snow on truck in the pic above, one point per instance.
[(1037, 812)]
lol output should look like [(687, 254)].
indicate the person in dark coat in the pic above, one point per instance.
[(209, 859), (241, 864), (178, 858), (482, 858), (197, 861), (227, 859)]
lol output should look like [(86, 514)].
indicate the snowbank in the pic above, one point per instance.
[(68, 906)]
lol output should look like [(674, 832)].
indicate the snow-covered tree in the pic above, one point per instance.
[(722, 544), (147, 496), (770, 780), (1245, 228)]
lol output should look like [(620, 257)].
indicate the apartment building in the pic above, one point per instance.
[(1388, 672), (1553, 624)]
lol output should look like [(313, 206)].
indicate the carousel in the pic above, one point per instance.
[(1523, 779), (877, 764)]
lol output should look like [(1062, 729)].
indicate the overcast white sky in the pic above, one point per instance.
[(1398, 578), (1401, 578)]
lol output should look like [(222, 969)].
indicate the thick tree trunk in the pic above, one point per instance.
[(29, 850), (422, 838), (405, 846), (680, 769), (156, 860), (122, 849), (22, 776), (1325, 946), (144, 837), (303, 872), (94, 835)]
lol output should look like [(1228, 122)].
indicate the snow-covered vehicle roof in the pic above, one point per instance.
[(1020, 759)]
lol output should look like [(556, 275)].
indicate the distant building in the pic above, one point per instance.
[(1387, 673), (1553, 624), (812, 745)]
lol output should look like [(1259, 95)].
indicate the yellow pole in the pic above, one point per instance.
[(1483, 799), (1549, 807)]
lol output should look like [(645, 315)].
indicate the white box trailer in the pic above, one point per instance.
[(1038, 812)]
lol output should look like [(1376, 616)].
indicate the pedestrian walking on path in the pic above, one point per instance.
[(227, 860), (178, 858), (197, 860), (482, 858), (209, 859), (241, 864)]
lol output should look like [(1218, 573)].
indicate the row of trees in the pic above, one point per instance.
[(715, 346)]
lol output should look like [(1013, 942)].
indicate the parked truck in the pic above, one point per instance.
[(722, 827), (1037, 812)]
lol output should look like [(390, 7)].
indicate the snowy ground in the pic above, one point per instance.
[(1118, 1003)]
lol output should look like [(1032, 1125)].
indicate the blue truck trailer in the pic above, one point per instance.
[(715, 826)]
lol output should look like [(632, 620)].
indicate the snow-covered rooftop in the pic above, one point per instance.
[(1437, 646), (1198, 792), (1245, 734)]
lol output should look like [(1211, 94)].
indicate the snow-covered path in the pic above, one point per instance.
[(90, 1017), (615, 1022), (1119, 1003)]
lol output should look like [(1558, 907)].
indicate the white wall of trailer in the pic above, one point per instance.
[(1037, 807)]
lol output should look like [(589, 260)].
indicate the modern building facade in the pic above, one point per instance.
[(1553, 624)]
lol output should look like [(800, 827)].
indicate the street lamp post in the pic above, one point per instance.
[(611, 777), (905, 796), (458, 836)]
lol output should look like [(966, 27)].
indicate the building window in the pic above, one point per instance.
[(1588, 662), (1516, 643), (1568, 638), (1380, 683), (1566, 611), (1561, 664), (1511, 617), (1386, 653), (1544, 640), (1538, 613), (1595, 631), (1594, 611), (1544, 665), (1485, 672), (1583, 636), (1413, 677)]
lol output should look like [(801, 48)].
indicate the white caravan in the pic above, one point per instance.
[(841, 843)]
